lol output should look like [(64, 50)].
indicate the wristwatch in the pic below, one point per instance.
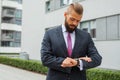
[(78, 62)]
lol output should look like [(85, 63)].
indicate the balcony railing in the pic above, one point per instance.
[(5, 37), (8, 13)]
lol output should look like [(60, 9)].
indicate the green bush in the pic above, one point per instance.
[(103, 74), (36, 66), (30, 65)]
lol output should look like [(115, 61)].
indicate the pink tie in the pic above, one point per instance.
[(69, 42)]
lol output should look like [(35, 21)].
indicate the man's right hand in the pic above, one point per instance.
[(69, 62)]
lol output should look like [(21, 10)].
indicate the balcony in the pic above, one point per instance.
[(8, 26), (12, 4), (8, 37), (8, 13)]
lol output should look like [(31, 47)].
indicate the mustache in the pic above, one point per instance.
[(72, 25)]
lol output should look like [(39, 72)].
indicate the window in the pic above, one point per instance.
[(93, 28), (62, 3), (47, 6), (112, 27), (85, 26), (18, 21), (18, 13), (19, 1), (17, 35), (8, 20), (10, 11), (90, 27), (12, 16), (65, 2), (93, 33), (6, 43), (18, 17), (17, 44), (108, 28), (7, 34), (11, 38), (17, 39), (8, 15)]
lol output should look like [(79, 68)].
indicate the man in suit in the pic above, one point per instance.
[(68, 51)]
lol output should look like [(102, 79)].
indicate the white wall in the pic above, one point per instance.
[(100, 8), (7, 26), (13, 4), (10, 50), (33, 27), (35, 20), (110, 51)]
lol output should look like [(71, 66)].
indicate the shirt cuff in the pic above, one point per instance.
[(80, 65)]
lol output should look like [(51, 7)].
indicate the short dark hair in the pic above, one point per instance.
[(77, 7)]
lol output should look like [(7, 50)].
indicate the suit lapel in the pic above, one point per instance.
[(61, 40)]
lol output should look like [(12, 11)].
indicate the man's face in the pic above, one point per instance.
[(72, 20)]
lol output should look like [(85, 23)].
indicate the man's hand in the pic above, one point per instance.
[(69, 62), (88, 59)]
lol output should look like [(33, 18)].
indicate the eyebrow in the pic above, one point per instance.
[(74, 18)]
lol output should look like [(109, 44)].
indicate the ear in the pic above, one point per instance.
[(65, 14)]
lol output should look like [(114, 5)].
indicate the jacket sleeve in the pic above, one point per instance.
[(48, 58), (93, 53)]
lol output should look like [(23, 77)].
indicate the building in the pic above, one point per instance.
[(10, 27), (101, 19)]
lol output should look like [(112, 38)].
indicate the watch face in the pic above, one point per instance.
[(77, 61)]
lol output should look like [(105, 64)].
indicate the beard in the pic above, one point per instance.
[(70, 30)]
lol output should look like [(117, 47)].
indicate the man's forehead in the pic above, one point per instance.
[(75, 16)]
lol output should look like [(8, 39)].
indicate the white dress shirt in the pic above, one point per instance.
[(65, 33)]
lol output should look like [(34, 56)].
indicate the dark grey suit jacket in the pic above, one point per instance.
[(54, 51)]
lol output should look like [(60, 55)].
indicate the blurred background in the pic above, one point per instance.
[(24, 22)]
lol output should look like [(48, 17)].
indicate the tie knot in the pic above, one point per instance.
[(68, 34)]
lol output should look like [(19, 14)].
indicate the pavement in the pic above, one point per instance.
[(12, 73)]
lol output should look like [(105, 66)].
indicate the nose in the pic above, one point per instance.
[(75, 23)]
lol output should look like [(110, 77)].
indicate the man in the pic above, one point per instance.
[(68, 51)]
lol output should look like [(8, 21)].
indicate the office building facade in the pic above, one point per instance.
[(10, 26), (101, 18)]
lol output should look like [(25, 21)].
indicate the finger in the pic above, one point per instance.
[(89, 60), (62, 65)]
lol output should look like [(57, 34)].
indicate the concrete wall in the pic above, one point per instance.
[(35, 20)]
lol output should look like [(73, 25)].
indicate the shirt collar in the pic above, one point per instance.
[(63, 28)]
